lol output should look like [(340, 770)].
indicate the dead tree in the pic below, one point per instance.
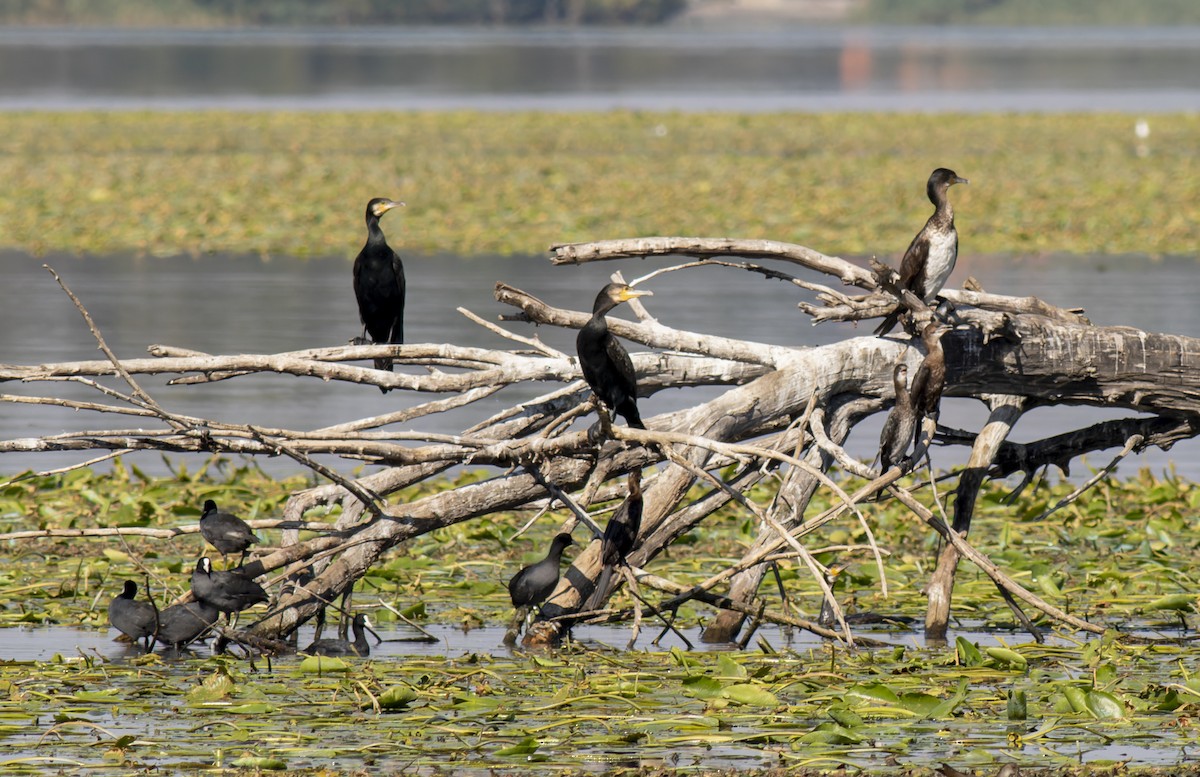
[(781, 419)]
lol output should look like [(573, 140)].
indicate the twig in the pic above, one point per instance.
[(1130, 444)]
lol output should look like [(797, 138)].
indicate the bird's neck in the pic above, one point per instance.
[(374, 232)]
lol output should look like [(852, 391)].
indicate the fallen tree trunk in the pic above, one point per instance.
[(783, 410)]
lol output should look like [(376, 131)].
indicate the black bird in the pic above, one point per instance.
[(606, 365), (136, 620), (227, 591), (225, 532), (900, 427), (379, 284), (341, 647), (930, 380), (182, 624), (534, 583), (931, 255), (620, 535)]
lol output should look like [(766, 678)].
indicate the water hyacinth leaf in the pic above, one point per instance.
[(727, 667), (251, 708), (107, 696), (323, 665), (876, 693), (751, 695), (967, 652), (215, 687), (702, 687), (947, 707), (116, 556), (1174, 602), (844, 716), (1104, 705), (526, 746), (1076, 699), (1017, 707), (397, 697), (831, 734), (1106, 674), (266, 763), (1004, 656)]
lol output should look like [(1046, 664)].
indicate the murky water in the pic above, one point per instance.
[(225, 304), (764, 69)]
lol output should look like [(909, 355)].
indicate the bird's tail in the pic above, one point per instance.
[(889, 323), (596, 600), (629, 412), (384, 364)]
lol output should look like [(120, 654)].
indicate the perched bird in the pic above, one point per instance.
[(620, 535), (605, 362), (136, 620), (931, 255), (379, 284), (182, 624), (900, 427), (534, 583), (227, 591), (341, 647), (225, 532), (930, 380)]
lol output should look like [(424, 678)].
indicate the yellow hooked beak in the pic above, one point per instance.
[(384, 207), (628, 293)]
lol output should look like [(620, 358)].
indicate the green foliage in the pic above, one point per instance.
[(296, 184), (1032, 12)]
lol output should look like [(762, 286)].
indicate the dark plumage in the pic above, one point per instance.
[(225, 532), (901, 425), (930, 380), (606, 365), (227, 591), (931, 255), (620, 535), (136, 620), (379, 284), (341, 647), (181, 624), (534, 583)]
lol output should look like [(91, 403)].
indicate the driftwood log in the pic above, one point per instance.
[(781, 419)]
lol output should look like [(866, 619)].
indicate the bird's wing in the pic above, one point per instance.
[(626, 376), (912, 266)]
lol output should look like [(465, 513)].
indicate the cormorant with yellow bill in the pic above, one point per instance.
[(606, 365), (379, 284)]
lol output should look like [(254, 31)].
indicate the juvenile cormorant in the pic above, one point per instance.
[(225, 532), (930, 380), (379, 284), (341, 647), (227, 591), (901, 425), (534, 583), (606, 365), (931, 255), (182, 624), (619, 537), (136, 620)]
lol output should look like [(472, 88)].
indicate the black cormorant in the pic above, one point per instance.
[(225, 532), (182, 624), (227, 591), (534, 583), (620, 535), (931, 255), (136, 620), (379, 284), (901, 425), (341, 647), (606, 365)]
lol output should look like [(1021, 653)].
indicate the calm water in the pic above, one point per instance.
[(228, 305), (767, 69)]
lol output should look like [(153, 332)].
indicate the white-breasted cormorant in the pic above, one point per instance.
[(900, 427), (341, 647), (620, 535), (931, 255), (136, 620), (606, 365), (379, 284), (534, 583), (225, 531)]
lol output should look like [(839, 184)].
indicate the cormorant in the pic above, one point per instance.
[(227, 591), (900, 427), (379, 284), (606, 365), (619, 537), (534, 583), (136, 620), (181, 624), (930, 380), (225, 532), (341, 647), (931, 255)]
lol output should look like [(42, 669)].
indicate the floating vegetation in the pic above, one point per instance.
[(294, 183)]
